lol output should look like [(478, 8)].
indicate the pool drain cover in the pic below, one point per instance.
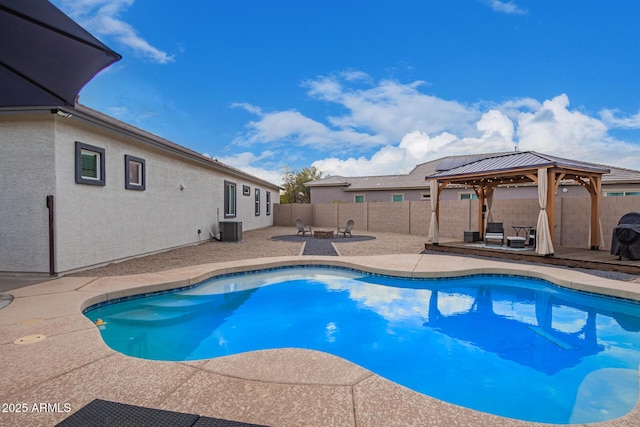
[(30, 339)]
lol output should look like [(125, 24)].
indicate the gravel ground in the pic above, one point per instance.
[(255, 244), (261, 243)]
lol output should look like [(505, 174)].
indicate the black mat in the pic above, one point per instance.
[(321, 246), (103, 413)]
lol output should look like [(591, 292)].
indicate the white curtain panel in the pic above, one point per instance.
[(544, 246), (489, 205), (433, 225)]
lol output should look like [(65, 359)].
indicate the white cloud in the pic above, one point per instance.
[(557, 130), (630, 122), (549, 127), (285, 127), (415, 148), (554, 128), (391, 127), (392, 109), (495, 125), (418, 147), (377, 115), (245, 161), (510, 7), (102, 18)]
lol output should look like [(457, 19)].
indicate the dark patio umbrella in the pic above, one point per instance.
[(45, 57)]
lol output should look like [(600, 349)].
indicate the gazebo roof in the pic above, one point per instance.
[(510, 165)]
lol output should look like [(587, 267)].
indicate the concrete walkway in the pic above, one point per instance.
[(8, 283), (315, 246), (54, 360)]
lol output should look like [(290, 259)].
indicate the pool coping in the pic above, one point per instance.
[(274, 387)]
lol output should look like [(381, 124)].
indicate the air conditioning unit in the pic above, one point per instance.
[(230, 231)]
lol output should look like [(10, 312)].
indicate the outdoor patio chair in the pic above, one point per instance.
[(495, 232), (346, 230), (302, 228)]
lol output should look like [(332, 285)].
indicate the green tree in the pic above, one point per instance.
[(294, 189)]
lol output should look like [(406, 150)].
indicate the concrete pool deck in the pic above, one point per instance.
[(52, 354)]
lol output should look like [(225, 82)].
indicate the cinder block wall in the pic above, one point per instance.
[(419, 218), (358, 212), (389, 217), (286, 214), (325, 215), (456, 217), (572, 216)]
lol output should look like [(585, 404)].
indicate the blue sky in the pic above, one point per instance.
[(372, 87)]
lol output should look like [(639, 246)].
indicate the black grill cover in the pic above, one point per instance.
[(626, 237)]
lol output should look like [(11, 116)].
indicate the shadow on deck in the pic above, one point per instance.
[(564, 256)]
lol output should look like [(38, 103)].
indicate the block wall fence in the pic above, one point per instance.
[(572, 217)]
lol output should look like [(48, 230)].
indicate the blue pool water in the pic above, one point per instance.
[(511, 346)]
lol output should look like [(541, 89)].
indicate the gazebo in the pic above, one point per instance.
[(521, 167)]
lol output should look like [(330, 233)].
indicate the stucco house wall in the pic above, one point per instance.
[(340, 195), (26, 178), (97, 224), (320, 195)]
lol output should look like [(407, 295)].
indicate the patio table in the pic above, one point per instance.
[(518, 228)]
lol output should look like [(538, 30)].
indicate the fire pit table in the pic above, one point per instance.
[(323, 233)]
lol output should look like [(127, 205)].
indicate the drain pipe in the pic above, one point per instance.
[(52, 254)]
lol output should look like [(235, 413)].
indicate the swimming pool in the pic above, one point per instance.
[(511, 346)]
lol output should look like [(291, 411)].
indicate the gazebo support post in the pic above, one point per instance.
[(595, 191), (481, 198)]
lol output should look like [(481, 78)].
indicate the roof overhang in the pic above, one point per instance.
[(102, 121)]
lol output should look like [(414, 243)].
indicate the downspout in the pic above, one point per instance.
[(52, 253)]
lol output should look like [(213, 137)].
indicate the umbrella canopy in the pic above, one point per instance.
[(45, 56)]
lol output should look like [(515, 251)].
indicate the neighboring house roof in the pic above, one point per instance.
[(412, 180), (331, 181), (368, 183), (621, 176), (447, 166), (102, 120)]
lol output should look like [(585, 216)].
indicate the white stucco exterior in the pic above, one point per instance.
[(24, 185), (94, 224)]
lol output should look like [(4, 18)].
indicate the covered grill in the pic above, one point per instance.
[(626, 237)]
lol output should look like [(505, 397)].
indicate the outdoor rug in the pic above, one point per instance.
[(316, 246), (103, 413), (500, 248)]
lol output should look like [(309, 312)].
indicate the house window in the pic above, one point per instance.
[(425, 196), (359, 198), (468, 196), (268, 202), (229, 199), (397, 198), (89, 164), (134, 173), (621, 193), (246, 190), (257, 192)]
